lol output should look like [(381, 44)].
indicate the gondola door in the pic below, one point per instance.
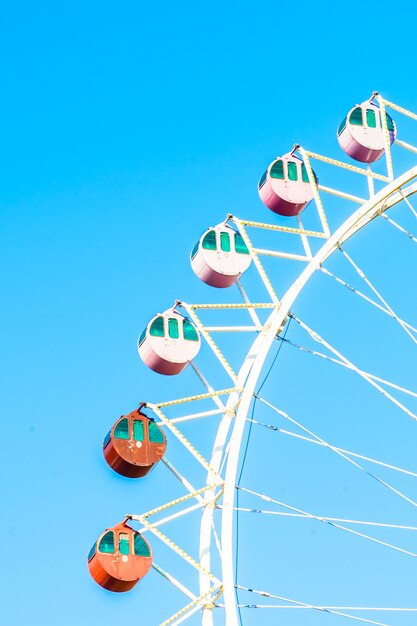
[(124, 555)]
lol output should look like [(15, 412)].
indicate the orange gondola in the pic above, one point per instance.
[(134, 444), (119, 558)]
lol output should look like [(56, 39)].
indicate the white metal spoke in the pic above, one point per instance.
[(400, 228), (326, 357), (338, 452), (181, 478), (304, 239), (378, 295), (176, 583), (310, 606), (316, 608), (253, 314), (327, 518), (410, 206), (319, 443), (367, 298), (215, 397), (324, 608), (319, 339), (325, 521)]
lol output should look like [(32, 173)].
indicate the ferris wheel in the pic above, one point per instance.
[(215, 566)]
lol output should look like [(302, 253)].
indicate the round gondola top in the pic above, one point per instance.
[(220, 256), (361, 133), (169, 342), (285, 186), (119, 558), (134, 445)]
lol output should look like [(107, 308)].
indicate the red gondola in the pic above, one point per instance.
[(134, 445), (119, 558)]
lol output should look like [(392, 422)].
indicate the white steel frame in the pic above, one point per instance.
[(227, 445)]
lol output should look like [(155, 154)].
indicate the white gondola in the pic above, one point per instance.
[(168, 343), (285, 187), (361, 133), (220, 256)]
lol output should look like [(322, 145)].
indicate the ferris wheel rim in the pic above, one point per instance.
[(248, 376)]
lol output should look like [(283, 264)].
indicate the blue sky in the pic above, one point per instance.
[(126, 131)]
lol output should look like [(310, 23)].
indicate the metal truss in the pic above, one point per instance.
[(233, 401)]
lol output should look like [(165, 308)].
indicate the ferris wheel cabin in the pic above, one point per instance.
[(168, 343), (361, 133), (134, 445), (285, 187), (220, 256), (119, 558)]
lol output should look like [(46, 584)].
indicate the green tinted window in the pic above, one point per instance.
[(262, 179), (157, 327), (155, 434), (355, 118), (92, 552), (138, 430), (194, 250), (107, 439), (124, 543), (277, 170), (141, 547), (121, 430), (142, 337), (390, 123), (106, 544), (190, 333), (209, 241), (292, 170), (304, 175), (370, 118), (342, 127), (173, 328), (240, 245), (225, 242)]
